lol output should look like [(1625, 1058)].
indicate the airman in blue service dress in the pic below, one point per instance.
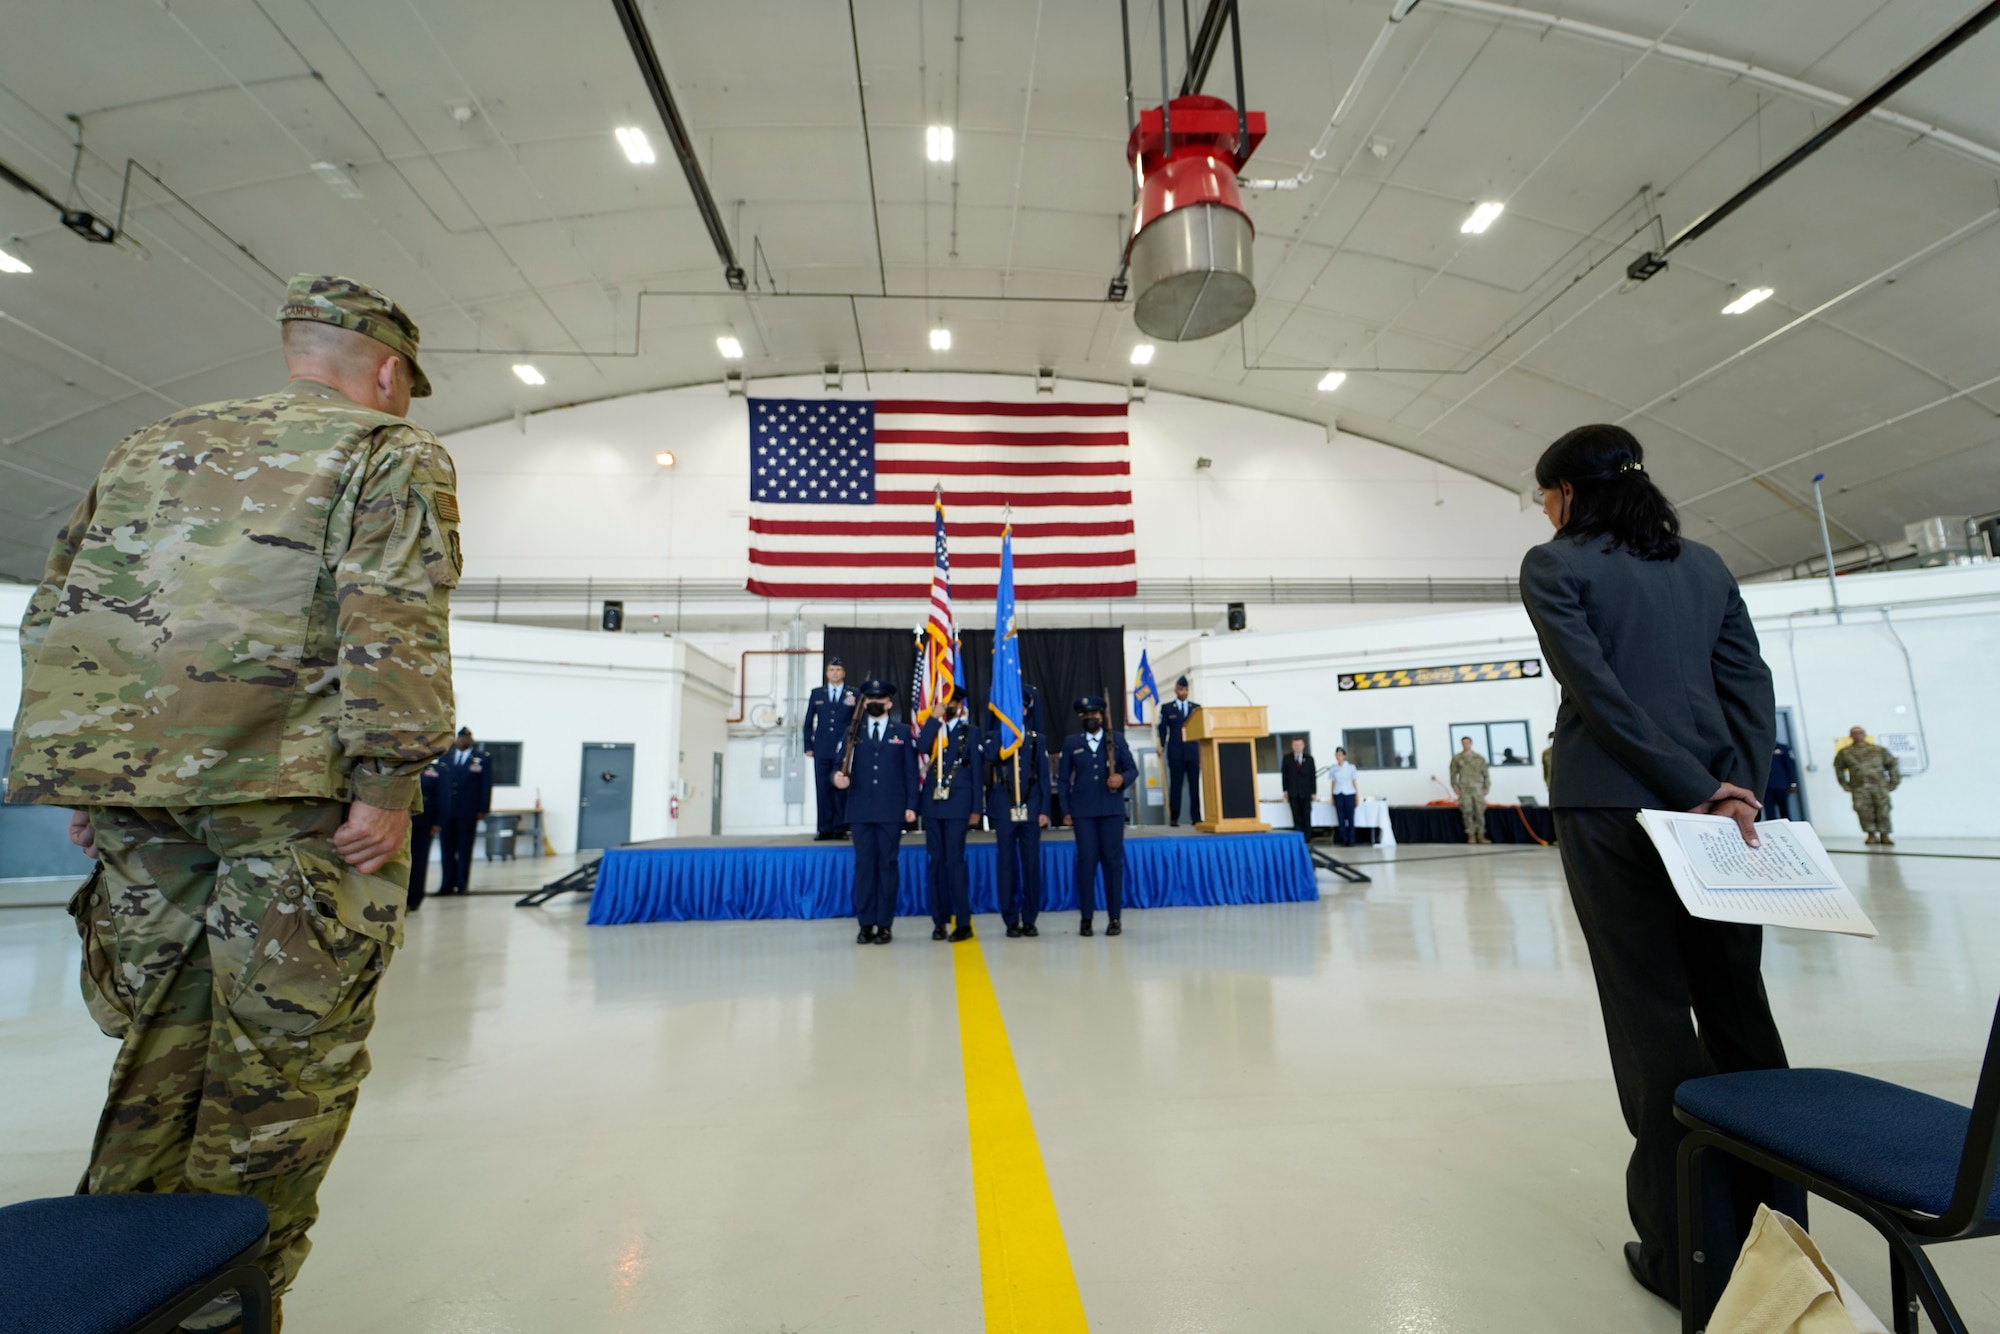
[(949, 804), (423, 827), (828, 712), (1092, 773), (878, 773), (465, 792), (1017, 802), (1183, 757)]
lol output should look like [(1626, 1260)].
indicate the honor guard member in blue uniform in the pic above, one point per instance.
[(828, 712), (1091, 776), (1183, 757), (878, 774), (1017, 802), (465, 792), (949, 804), (423, 828)]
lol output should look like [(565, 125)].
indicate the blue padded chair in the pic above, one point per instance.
[(1919, 1169), (130, 1264)]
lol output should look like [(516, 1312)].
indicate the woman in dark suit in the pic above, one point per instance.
[(1667, 705)]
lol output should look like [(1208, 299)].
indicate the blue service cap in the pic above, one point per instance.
[(1090, 704), (836, 662), (1183, 681), (876, 688)]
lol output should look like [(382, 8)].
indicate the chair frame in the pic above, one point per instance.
[(1907, 1231), (242, 1276)]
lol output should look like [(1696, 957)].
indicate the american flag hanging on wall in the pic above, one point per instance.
[(841, 497)]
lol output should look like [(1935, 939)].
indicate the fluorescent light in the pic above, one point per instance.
[(665, 458), (337, 180), (938, 143), (729, 347), (638, 150), (529, 375), (9, 264), (1142, 355), (1331, 381), (940, 340), (1482, 217), (1746, 301)]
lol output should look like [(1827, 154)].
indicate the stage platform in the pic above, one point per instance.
[(736, 878)]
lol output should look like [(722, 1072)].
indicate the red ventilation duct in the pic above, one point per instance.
[(1190, 249)]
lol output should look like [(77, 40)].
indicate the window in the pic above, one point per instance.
[(506, 762), (1380, 747), (1500, 743), (1271, 750)]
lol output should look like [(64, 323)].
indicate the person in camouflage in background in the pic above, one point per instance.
[(234, 670), (1869, 773), (1469, 781)]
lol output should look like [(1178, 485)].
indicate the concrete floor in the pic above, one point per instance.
[(1386, 1111)]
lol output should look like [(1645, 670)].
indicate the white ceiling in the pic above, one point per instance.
[(524, 229)]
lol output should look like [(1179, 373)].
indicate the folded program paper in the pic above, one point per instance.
[(1788, 881)]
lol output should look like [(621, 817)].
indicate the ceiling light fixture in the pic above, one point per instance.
[(1750, 298), (665, 458), (729, 347), (940, 340), (1142, 355), (529, 375), (638, 149), (9, 264), (1331, 381), (939, 143), (1481, 218), (337, 180)]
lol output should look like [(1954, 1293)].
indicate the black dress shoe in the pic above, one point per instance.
[(882, 936), (1114, 929), (1029, 930), (1173, 824), (867, 936), (937, 933), (1013, 931), (1085, 930), (964, 932), (1635, 1260)]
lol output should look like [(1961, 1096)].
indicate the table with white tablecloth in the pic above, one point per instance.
[(1369, 814)]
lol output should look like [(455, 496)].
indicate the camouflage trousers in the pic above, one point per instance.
[(1871, 806), (236, 958), (1472, 810)]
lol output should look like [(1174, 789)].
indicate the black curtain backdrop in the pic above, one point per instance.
[(1063, 665)]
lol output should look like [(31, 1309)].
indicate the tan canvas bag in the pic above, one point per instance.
[(1782, 1285)]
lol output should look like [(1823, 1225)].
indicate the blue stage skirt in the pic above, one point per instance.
[(698, 884)]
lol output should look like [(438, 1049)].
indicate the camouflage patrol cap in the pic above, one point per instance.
[(347, 304)]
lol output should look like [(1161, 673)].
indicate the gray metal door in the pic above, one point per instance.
[(604, 810), (715, 795)]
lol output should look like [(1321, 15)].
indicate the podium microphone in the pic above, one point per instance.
[(1246, 694)]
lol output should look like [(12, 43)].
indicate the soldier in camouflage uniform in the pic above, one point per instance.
[(234, 670), (1469, 781), (1869, 773)]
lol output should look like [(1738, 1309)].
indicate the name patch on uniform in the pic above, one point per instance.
[(446, 505), (1398, 677)]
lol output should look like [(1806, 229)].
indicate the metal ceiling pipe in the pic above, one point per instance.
[(1317, 154), (655, 76)]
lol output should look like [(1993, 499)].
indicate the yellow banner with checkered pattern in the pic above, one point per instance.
[(1396, 677)]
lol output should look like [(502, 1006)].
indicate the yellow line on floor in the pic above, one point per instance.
[(1024, 1269)]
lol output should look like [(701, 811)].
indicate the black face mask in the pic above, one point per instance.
[(877, 707), (1093, 722)]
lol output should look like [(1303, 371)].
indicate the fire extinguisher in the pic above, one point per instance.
[(673, 808)]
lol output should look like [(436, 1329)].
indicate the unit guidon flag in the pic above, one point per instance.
[(842, 497)]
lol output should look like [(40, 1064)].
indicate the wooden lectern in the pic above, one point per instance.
[(1228, 734)]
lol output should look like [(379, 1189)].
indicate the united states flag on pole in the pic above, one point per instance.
[(841, 497)]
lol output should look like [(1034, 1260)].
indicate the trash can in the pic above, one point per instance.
[(500, 831)]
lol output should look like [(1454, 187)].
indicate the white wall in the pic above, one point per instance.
[(575, 492), (1832, 675)]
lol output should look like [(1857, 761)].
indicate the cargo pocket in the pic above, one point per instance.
[(317, 941), (288, 1147), (109, 1006)]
